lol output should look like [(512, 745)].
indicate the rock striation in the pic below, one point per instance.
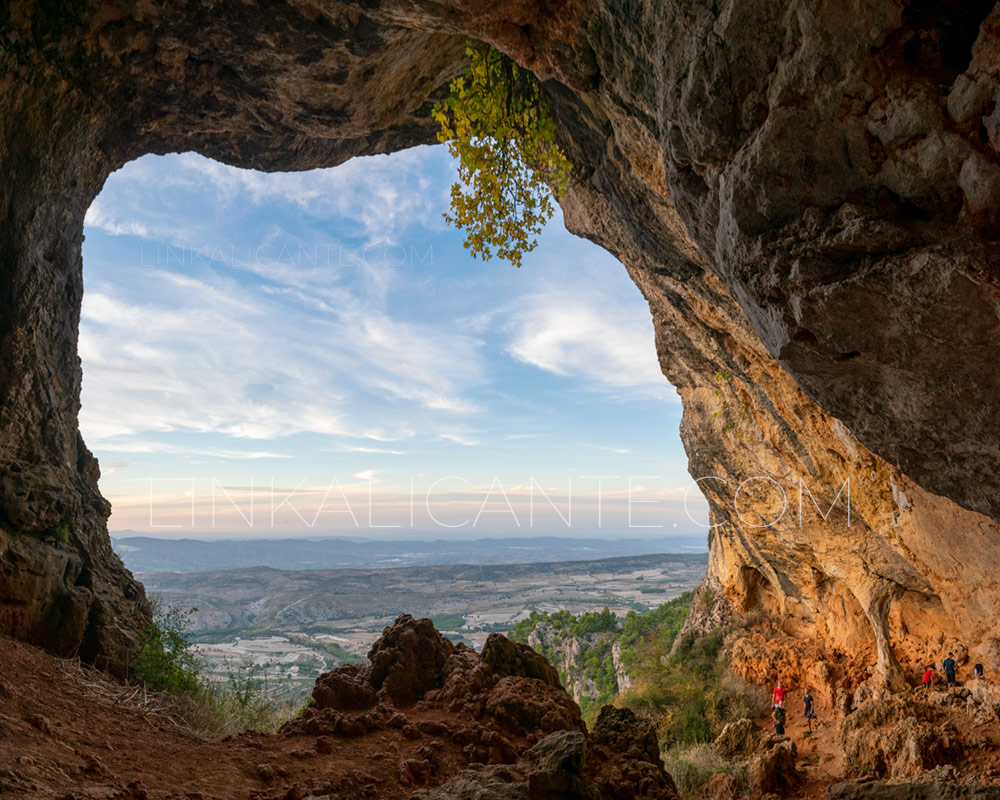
[(808, 195)]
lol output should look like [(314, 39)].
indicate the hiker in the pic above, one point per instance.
[(808, 712), (928, 679), (778, 715), (979, 672), (778, 696), (949, 669)]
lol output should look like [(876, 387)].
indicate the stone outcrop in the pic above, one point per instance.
[(504, 718), (894, 738), (568, 653), (808, 195), (769, 762)]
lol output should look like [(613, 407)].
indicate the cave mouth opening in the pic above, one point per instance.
[(314, 353)]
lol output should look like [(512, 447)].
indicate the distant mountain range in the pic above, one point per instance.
[(148, 554)]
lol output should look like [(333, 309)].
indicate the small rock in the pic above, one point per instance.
[(40, 723), (414, 772)]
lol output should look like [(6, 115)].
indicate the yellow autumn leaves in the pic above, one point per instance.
[(497, 125)]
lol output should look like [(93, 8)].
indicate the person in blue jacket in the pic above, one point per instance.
[(949, 669)]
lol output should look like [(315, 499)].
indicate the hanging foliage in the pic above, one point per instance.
[(497, 125)]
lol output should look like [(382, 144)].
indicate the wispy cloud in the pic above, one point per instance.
[(619, 450), (173, 449)]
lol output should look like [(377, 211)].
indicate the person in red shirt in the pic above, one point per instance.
[(928, 678), (778, 696)]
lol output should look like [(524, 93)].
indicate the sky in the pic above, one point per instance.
[(315, 353)]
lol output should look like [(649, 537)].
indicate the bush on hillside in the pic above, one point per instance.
[(163, 661), (687, 690)]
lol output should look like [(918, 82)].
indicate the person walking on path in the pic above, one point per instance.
[(949, 669), (808, 712), (778, 715), (778, 696), (928, 679)]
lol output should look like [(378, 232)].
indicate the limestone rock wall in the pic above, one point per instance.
[(807, 194)]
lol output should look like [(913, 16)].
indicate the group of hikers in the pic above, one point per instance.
[(778, 715), (778, 709), (948, 665)]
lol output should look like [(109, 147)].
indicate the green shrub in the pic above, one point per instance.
[(687, 690), (162, 660), (661, 625), (497, 125)]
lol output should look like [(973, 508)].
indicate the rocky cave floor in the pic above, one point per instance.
[(431, 721)]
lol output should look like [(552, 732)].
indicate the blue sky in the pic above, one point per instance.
[(315, 353)]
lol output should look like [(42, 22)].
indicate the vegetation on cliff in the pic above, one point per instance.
[(682, 685), (497, 125), (686, 688), (582, 647)]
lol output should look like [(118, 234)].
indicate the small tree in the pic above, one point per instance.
[(509, 165), (162, 658)]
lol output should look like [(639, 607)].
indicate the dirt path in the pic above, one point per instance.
[(821, 759)]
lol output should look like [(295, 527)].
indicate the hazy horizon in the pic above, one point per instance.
[(418, 536)]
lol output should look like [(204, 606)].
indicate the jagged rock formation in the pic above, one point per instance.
[(923, 791), (504, 708), (808, 195)]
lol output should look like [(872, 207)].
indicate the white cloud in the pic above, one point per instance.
[(587, 327), (269, 350), (225, 358), (110, 446), (380, 195)]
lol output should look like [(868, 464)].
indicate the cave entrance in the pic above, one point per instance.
[(303, 355), (328, 326)]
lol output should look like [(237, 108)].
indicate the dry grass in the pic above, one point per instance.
[(208, 714), (691, 765)]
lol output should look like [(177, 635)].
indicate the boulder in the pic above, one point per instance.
[(507, 658), (774, 770), (346, 689), (721, 786), (875, 790), (740, 738), (620, 729), (528, 704), (897, 738)]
